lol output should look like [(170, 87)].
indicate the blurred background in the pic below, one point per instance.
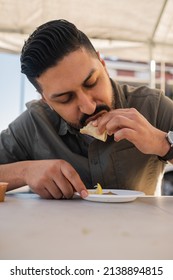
[(134, 37)]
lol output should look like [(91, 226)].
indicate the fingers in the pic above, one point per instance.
[(73, 178), (128, 124), (125, 133), (118, 123), (55, 179), (48, 190), (117, 119)]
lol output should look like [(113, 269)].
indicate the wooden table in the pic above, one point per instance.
[(34, 228)]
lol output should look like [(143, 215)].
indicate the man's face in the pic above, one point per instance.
[(77, 88)]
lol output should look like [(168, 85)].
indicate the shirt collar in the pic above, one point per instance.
[(120, 100), (65, 127)]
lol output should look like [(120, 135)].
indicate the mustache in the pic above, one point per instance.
[(98, 109)]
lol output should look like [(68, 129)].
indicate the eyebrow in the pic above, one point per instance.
[(55, 95)]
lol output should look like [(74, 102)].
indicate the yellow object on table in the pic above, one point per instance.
[(97, 191)]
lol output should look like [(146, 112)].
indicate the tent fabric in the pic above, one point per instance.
[(127, 29)]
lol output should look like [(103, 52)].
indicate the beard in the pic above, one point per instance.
[(99, 108)]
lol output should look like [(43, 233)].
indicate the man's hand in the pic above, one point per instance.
[(129, 124), (54, 179)]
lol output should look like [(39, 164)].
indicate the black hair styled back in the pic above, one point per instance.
[(48, 44)]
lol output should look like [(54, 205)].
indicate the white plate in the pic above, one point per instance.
[(118, 196)]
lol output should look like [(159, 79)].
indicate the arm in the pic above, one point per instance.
[(48, 178)]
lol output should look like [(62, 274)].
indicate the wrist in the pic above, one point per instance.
[(165, 146), (169, 154)]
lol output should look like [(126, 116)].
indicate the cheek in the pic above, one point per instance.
[(68, 113)]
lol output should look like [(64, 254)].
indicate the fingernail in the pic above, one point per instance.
[(84, 193)]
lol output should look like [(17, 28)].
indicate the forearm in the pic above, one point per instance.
[(48, 178), (14, 174)]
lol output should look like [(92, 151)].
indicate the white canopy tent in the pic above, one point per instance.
[(128, 29)]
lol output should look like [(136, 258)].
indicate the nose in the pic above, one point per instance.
[(86, 103)]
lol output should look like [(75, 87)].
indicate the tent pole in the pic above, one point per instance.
[(152, 62), (162, 76), (152, 68)]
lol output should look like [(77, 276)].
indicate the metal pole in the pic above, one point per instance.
[(152, 62), (162, 76), (152, 73), (152, 68)]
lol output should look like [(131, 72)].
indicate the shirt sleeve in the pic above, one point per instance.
[(165, 114), (13, 142)]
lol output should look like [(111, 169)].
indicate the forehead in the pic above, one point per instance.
[(69, 72)]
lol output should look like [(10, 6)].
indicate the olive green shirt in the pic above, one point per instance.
[(40, 133)]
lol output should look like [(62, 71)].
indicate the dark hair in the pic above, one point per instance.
[(48, 44)]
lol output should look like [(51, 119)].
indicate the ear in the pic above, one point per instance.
[(101, 59), (102, 62), (44, 100)]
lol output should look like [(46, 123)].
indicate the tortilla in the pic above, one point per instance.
[(93, 131)]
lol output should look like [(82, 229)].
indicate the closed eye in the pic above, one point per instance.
[(65, 98), (91, 85)]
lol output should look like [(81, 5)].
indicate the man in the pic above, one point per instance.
[(43, 147)]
